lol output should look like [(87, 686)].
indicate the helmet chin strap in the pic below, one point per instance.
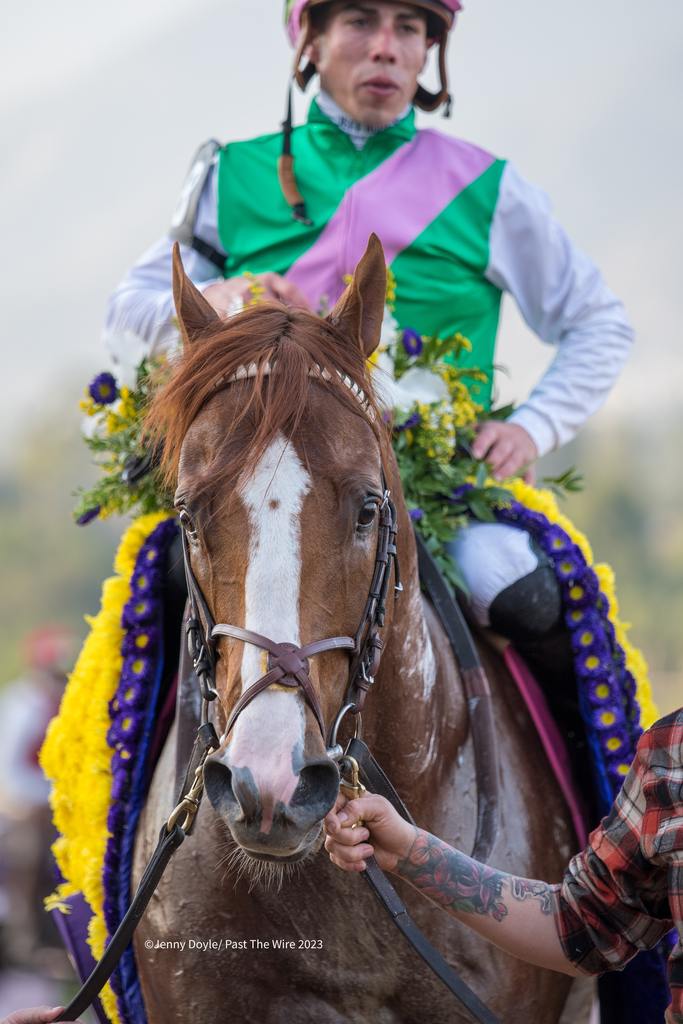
[(302, 75)]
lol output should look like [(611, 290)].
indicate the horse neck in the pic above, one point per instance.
[(416, 708)]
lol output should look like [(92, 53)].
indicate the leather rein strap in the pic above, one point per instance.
[(171, 836), (479, 703)]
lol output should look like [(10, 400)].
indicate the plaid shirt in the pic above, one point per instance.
[(624, 892)]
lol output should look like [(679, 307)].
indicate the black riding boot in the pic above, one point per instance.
[(529, 614)]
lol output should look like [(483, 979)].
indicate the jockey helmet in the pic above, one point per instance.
[(440, 17)]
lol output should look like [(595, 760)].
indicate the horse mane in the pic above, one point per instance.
[(280, 345)]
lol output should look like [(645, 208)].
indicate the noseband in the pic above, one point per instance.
[(288, 663)]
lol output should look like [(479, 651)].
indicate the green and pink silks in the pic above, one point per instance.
[(435, 237)]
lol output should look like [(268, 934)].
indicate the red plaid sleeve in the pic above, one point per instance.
[(624, 892)]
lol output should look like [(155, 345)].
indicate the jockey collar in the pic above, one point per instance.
[(324, 109)]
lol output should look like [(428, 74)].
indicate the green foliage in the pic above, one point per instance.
[(117, 444), (568, 482)]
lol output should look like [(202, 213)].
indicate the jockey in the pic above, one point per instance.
[(290, 213)]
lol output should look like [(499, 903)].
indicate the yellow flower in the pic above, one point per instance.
[(87, 406), (391, 287)]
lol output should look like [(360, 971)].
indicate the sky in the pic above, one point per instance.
[(102, 109)]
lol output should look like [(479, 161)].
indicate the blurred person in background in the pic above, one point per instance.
[(29, 940)]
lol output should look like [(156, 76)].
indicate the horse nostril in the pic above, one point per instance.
[(232, 791), (218, 785), (317, 787)]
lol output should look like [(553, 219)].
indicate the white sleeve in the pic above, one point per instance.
[(143, 301), (564, 299)]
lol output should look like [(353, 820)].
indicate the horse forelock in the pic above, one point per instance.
[(270, 357)]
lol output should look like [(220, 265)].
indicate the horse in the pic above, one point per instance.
[(280, 456)]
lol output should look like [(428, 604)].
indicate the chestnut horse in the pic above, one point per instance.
[(280, 469)]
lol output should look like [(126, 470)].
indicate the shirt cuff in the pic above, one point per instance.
[(538, 427)]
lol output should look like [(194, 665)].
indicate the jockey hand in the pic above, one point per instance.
[(38, 1015), (229, 296), (507, 448), (383, 834)]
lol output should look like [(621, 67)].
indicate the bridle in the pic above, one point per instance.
[(288, 663)]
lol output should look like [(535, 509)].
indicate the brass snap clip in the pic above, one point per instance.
[(189, 805), (351, 788)]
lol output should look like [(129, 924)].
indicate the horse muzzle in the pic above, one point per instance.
[(262, 817)]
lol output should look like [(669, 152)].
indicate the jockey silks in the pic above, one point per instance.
[(429, 197)]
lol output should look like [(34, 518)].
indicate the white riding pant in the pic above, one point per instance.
[(491, 556)]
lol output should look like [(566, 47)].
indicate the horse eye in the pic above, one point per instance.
[(366, 516), (187, 524)]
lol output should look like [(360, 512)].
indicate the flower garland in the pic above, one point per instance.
[(132, 715), (77, 756), (615, 695)]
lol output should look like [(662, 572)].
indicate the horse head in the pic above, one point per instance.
[(279, 452)]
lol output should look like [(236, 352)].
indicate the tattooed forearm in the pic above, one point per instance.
[(450, 878), (526, 889), (461, 884)]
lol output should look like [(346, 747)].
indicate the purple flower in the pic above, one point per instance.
[(416, 514), (132, 694), (582, 592), (125, 727), (594, 663), (412, 421), (614, 743), (88, 516), (601, 691), (135, 668), (590, 639), (555, 541), (140, 640), (608, 719), (412, 342), (103, 389), (137, 611), (570, 564), (145, 580)]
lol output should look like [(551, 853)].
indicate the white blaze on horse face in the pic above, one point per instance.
[(269, 728)]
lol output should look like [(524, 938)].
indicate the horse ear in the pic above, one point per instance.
[(194, 312), (360, 310)]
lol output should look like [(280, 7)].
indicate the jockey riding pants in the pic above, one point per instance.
[(511, 583)]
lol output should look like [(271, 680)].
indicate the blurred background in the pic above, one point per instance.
[(101, 111)]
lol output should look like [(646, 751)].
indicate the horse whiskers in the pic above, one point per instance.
[(266, 874)]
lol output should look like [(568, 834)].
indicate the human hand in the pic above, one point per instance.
[(507, 448), (384, 834), (227, 296), (36, 1015)]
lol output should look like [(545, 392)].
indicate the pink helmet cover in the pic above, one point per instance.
[(295, 8)]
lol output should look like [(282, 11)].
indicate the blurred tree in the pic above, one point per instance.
[(51, 569)]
